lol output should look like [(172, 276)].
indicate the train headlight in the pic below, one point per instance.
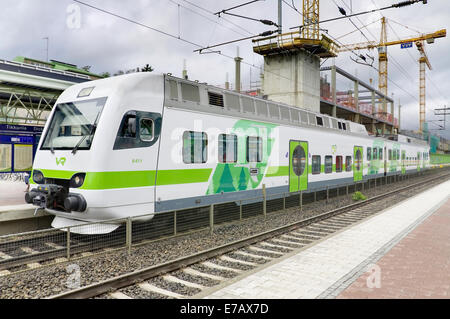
[(77, 180), (38, 177)]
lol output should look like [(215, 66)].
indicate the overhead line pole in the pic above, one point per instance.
[(279, 16)]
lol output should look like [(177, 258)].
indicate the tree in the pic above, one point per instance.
[(105, 75), (86, 68), (147, 68)]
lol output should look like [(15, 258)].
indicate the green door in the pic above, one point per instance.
[(298, 166), (358, 163), (403, 162), (418, 161)]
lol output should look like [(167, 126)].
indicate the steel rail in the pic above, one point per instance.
[(128, 279)]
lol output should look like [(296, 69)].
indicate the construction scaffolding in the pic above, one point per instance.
[(361, 104)]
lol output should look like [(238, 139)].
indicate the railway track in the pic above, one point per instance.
[(23, 254), (46, 249), (190, 276)]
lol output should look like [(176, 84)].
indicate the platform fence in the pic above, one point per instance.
[(76, 242)]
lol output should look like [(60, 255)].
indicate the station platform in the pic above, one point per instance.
[(12, 193), (15, 215), (402, 252)]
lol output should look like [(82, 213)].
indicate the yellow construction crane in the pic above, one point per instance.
[(422, 61), (383, 60)]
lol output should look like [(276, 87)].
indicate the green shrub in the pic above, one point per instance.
[(359, 196)]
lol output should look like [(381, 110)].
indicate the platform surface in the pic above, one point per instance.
[(12, 193), (348, 258), (417, 267)]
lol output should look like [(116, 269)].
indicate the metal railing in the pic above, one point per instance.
[(66, 242)]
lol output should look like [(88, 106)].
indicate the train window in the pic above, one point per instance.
[(138, 129), (146, 129), (380, 153), (375, 153), (338, 164), (128, 128), (195, 145), (358, 160), (344, 126), (319, 121), (328, 164), (390, 154), (348, 163), (190, 92), (227, 148), (315, 164), (254, 149), (369, 153), (340, 125), (299, 160)]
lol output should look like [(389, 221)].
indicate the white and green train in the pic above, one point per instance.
[(143, 143)]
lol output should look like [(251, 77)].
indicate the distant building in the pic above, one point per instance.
[(57, 65)]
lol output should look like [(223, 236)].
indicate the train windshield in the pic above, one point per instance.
[(73, 125)]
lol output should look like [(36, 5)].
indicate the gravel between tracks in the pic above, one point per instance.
[(46, 281)]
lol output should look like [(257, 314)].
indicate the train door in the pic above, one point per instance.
[(403, 162), (298, 166), (418, 161), (385, 161), (358, 165)]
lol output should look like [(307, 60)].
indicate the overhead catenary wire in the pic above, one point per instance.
[(207, 18), (389, 79), (394, 61), (222, 18), (396, 5), (238, 6), (170, 35), (415, 60)]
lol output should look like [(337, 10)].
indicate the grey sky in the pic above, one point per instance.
[(110, 44)]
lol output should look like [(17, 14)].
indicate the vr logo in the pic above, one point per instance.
[(61, 160)]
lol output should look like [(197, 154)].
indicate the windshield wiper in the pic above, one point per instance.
[(51, 147), (93, 128)]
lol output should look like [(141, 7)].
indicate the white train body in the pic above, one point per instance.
[(191, 145)]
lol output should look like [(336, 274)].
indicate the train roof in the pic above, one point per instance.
[(202, 97), (193, 95)]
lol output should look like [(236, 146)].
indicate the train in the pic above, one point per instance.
[(143, 143)]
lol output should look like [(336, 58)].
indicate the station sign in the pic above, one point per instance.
[(406, 45), (21, 128), (12, 139), (18, 144)]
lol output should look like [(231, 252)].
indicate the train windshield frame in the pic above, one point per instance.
[(73, 124)]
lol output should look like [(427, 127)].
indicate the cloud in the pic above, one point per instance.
[(108, 43)]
